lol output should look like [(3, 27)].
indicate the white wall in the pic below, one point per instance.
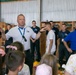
[(59, 10), (10, 10)]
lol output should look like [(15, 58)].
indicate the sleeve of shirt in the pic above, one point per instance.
[(9, 34), (33, 34), (51, 36), (67, 38), (38, 29), (70, 65)]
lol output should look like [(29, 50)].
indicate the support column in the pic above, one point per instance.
[(39, 5), (0, 11)]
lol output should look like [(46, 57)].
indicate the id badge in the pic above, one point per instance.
[(24, 38)]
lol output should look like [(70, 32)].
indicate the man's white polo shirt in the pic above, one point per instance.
[(16, 35), (50, 36)]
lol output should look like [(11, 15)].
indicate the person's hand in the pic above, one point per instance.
[(42, 30), (2, 52), (69, 50), (1, 30), (33, 41)]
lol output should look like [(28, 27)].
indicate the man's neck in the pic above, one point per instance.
[(52, 27), (13, 73), (21, 26), (33, 26), (49, 29), (63, 30)]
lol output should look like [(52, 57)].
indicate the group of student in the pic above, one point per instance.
[(22, 34), (15, 58)]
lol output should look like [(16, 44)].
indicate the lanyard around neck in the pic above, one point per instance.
[(21, 32)]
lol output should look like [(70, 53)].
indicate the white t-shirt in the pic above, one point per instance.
[(25, 70), (50, 35), (71, 65), (43, 69), (16, 35)]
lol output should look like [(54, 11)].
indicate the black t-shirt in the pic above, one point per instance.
[(36, 29), (9, 41), (56, 31), (62, 35)]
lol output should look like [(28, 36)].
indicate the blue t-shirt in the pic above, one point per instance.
[(72, 39)]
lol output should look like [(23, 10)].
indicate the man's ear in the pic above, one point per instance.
[(20, 68)]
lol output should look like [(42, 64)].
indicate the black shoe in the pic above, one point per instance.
[(61, 69)]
